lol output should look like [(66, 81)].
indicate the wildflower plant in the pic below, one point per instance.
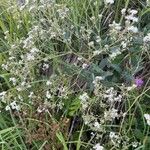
[(74, 75)]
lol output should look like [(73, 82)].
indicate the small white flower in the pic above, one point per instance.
[(133, 29), (112, 135), (133, 12), (135, 144), (84, 97), (45, 66), (48, 83), (123, 44), (109, 1), (98, 147), (123, 11), (30, 57), (146, 38), (31, 95), (131, 87), (131, 18), (84, 100), (91, 44), (98, 39), (147, 117), (7, 108), (84, 66), (97, 80), (13, 105), (48, 95), (111, 114), (13, 80), (34, 50), (115, 26), (97, 52), (115, 53), (148, 2), (2, 94), (79, 58), (96, 125)]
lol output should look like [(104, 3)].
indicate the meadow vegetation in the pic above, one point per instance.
[(74, 74)]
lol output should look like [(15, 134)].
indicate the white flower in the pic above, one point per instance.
[(7, 108), (133, 29), (112, 135), (15, 106), (91, 44), (97, 52), (45, 66), (115, 26), (123, 11), (48, 83), (111, 114), (31, 95), (2, 94), (135, 144), (13, 80), (133, 12), (109, 1), (115, 53), (123, 44), (30, 57), (34, 50), (48, 95), (98, 147), (98, 39), (79, 58), (84, 97), (84, 66), (148, 2), (146, 38), (147, 117), (97, 80), (131, 87), (96, 125)]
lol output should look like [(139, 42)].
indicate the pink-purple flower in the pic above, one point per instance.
[(139, 82)]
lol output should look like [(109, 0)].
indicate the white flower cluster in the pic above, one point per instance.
[(115, 139), (97, 80), (111, 96), (131, 16), (98, 147), (13, 105), (84, 100), (115, 26), (115, 53), (2, 96), (111, 114), (13, 80), (130, 20), (63, 12)]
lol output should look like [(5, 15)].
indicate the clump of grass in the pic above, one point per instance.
[(74, 75)]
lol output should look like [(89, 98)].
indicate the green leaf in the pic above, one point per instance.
[(138, 134), (62, 140), (74, 107)]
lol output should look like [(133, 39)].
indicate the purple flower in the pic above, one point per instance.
[(139, 82)]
